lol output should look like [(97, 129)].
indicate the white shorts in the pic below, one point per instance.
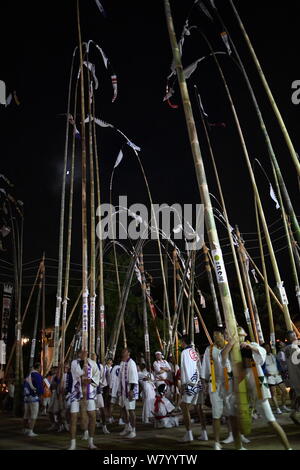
[(46, 401), (274, 379), (196, 399), (265, 408), (31, 410), (222, 404), (99, 401), (125, 403), (75, 406)]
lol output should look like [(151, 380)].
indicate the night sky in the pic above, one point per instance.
[(37, 44)]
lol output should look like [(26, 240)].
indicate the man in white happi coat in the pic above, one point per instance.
[(218, 378), (99, 399), (128, 392), (163, 409), (191, 387), (292, 356), (161, 369), (85, 379), (146, 381), (254, 356), (275, 380)]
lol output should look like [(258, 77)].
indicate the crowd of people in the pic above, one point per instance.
[(171, 394)]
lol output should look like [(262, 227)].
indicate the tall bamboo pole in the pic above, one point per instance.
[(44, 362), (69, 244), (269, 93), (192, 290), (93, 222), (38, 303), (61, 233), (288, 237), (101, 318), (85, 292), (145, 316), (268, 298), (212, 286), (225, 214), (264, 130), (255, 189), (210, 223)]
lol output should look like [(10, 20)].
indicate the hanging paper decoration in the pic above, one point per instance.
[(202, 299), (2, 93), (204, 9), (92, 69), (254, 276), (119, 159), (273, 196), (225, 39), (101, 9), (196, 325)]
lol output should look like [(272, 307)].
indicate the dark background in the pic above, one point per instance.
[(37, 42)]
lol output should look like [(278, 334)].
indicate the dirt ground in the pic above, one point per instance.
[(148, 438)]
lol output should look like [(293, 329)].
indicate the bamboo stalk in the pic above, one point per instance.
[(267, 139), (255, 189), (269, 93), (145, 317), (69, 244), (36, 318), (61, 230), (83, 200), (44, 362), (101, 318), (228, 227), (210, 223), (212, 286), (268, 299)]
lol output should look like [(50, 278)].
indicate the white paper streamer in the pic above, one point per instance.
[(119, 159), (92, 69), (273, 196)]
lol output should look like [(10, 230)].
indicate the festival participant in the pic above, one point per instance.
[(128, 392), (292, 355), (64, 392), (33, 391), (162, 410), (280, 356), (99, 400), (114, 386), (274, 379), (172, 380), (106, 396), (146, 381), (54, 405), (219, 378), (254, 356), (85, 379), (47, 393), (191, 387), (161, 369)]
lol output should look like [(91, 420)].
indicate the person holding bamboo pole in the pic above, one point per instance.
[(217, 373), (191, 388), (33, 391), (254, 357), (85, 377)]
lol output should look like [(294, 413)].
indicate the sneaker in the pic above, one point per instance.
[(125, 431), (85, 436), (188, 437), (131, 435), (121, 422), (244, 439), (203, 436), (242, 448), (286, 409), (25, 431), (229, 439), (52, 427), (217, 446), (105, 430), (32, 434), (278, 411)]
